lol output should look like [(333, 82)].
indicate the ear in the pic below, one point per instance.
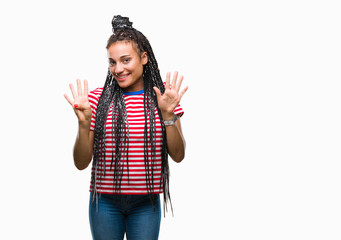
[(144, 58)]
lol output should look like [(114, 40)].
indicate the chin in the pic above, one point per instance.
[(123, 84)]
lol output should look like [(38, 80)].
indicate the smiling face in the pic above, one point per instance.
[(126, 64)]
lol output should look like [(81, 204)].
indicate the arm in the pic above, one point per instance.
[(176, 142), (83, 148), (167, 104)]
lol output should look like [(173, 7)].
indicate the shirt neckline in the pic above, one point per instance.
[(134, 93)]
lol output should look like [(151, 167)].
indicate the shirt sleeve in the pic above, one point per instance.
[(93, 100), (179, 111)]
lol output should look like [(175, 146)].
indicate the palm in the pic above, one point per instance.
[(170, 99), (80, 103), (83, 111)]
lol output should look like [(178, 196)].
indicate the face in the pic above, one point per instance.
[(127, 65)]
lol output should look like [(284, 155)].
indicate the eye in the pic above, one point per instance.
[(111, 63), (126, 60)]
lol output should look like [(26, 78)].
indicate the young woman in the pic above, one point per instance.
[(128, 128)]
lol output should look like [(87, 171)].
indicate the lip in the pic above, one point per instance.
[(121, 77)]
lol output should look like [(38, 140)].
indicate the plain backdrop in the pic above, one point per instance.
[(262, 114)]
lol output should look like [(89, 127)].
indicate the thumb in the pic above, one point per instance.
[(76, 105), (158, 93)]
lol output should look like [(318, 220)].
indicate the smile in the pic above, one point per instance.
[(121, 78)]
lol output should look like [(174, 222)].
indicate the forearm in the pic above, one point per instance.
[(175, 142), (82, 151), (167, 102)]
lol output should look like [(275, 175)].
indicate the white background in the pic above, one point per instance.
[(262, 114)]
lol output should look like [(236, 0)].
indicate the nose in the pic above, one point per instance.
[(118, 69)]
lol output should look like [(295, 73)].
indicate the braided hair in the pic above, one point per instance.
[(112, 95)]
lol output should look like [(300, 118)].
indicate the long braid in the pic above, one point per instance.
[(112, 95), (99, 134)]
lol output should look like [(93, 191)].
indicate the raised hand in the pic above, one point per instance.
[(170, 99), (80, 102)]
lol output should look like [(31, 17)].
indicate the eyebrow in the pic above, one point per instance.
[(120, 57)]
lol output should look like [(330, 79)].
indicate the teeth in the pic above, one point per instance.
[(122, 76)]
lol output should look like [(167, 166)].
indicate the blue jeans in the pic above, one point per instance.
[(116, 215)]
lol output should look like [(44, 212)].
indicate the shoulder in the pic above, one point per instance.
[(94, 96), (96, 92)]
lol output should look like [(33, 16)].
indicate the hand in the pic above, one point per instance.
[(80, 104), (171, 97)]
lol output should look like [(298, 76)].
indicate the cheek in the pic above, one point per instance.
[(139, 67), (112, 70), (132, 68)]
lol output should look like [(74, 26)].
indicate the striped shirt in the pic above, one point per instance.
[(136, 184)]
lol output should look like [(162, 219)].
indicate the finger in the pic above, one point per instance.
[(183, 92), (79, 87), (178, 86), (167, 80), (86, 88), (73, 91), (158, 93), (175, 77), (68, 99)]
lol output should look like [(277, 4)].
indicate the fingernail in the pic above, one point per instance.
[(76, 105)]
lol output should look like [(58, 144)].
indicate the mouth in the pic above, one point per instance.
[(121, 77)]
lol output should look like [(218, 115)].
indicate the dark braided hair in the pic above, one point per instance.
[(112, 95)]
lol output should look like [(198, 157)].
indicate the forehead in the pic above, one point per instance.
[(122, 48)]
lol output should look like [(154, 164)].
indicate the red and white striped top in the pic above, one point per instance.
[(136, 122)]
